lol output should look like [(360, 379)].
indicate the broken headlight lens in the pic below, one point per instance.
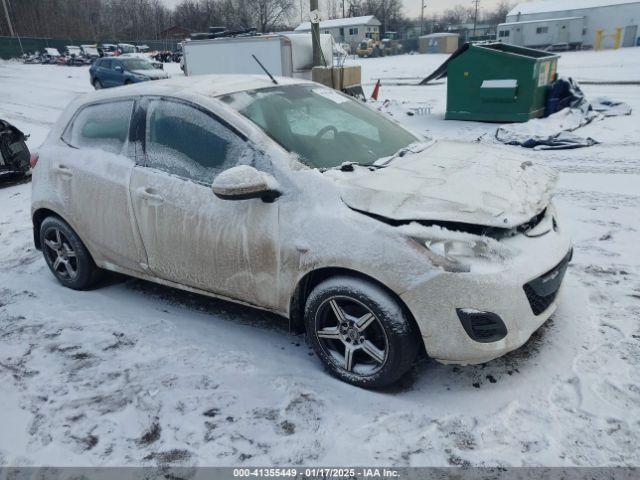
[(456, 255)]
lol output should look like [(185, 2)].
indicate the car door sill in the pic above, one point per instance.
[(151, 278)]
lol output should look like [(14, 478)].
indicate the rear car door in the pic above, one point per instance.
[(191, 236), (104, 73), (94, 175), (117, 73)]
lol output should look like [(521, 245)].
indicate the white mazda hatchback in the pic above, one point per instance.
[(296, 199)]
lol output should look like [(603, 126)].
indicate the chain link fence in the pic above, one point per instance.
[(14, 47)]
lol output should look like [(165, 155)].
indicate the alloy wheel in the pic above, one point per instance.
[(351, 335), (60, 254)]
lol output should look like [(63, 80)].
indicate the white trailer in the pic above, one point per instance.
[(543, 33), (286, 55)]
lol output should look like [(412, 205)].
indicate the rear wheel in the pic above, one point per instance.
[(360, 332), (67, 257)]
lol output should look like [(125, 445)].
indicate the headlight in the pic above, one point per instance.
[(457, 255)]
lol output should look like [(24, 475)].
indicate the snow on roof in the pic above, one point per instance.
[(563, 19), (547, 6), (206, 85), (342, 22), (440, 34)]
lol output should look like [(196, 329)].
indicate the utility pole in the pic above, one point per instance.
[(343, 8), (422, 2), (6, 14), (314, 17), (475, 17)]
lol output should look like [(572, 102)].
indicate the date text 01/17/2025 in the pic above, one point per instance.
[(333, 473)]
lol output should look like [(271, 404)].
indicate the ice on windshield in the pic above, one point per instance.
[(324, 127)]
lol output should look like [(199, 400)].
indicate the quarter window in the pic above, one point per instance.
[(190, 143), (104, 126)]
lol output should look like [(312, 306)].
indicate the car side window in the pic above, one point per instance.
[(105, 64), (115, 64), (187, 142), (104, 126)]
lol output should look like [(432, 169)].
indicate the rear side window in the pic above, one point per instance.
[(104, 126), (190, 143), (104, 63)]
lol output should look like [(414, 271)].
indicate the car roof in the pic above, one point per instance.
[(205, 85)]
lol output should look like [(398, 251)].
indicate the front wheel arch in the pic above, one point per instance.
[(313, 278)]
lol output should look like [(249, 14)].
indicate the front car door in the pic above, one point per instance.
[(94, 175), (191, 236)]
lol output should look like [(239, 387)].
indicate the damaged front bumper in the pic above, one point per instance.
[(14, 153), (471, 318)]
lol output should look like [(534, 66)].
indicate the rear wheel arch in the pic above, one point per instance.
[(37, 218), (41, 214)]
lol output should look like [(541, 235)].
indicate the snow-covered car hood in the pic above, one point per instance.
[(452, 182), (154, 74)]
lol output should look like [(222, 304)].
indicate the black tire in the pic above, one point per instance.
[(391, 331), (97, 84), (71, 248)]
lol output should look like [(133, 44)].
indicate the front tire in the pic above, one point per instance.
[(360, 332), (67, 257), (97, 84)]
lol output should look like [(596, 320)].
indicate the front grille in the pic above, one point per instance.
[(542, 291)]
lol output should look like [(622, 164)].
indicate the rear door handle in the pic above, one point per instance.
[(148, 194), (63, 170)]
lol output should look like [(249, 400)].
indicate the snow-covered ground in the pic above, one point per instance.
[(133, 373)]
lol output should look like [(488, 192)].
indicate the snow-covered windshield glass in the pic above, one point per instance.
[(136, 64), (322, 126)]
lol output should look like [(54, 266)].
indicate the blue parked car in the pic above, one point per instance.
[(113, 71)]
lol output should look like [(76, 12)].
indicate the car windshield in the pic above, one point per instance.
[(136, 64), (325, 128)]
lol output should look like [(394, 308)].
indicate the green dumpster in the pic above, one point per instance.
[(498, 82)]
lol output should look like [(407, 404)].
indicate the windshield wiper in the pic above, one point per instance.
[(411, 148), (349, 166)]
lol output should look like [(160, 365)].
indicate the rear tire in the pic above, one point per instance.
[(360, 332), (67, 257)]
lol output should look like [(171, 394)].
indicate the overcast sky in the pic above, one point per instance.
[(412, 7)]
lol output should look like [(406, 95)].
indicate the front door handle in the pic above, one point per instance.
[(150, 195), (63, 170)]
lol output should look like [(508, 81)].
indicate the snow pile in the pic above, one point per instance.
[(139, 374)]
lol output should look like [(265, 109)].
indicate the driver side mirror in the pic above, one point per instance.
[(244, 182)]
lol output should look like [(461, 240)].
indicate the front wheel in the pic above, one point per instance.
[(97, 84), (360, 332), (67, 257)]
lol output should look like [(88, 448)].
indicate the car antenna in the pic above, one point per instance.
[(265, 69)]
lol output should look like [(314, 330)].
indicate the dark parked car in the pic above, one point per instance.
[(14, 153), (112, 72)]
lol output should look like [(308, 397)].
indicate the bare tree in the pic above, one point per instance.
[(498, 14)]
